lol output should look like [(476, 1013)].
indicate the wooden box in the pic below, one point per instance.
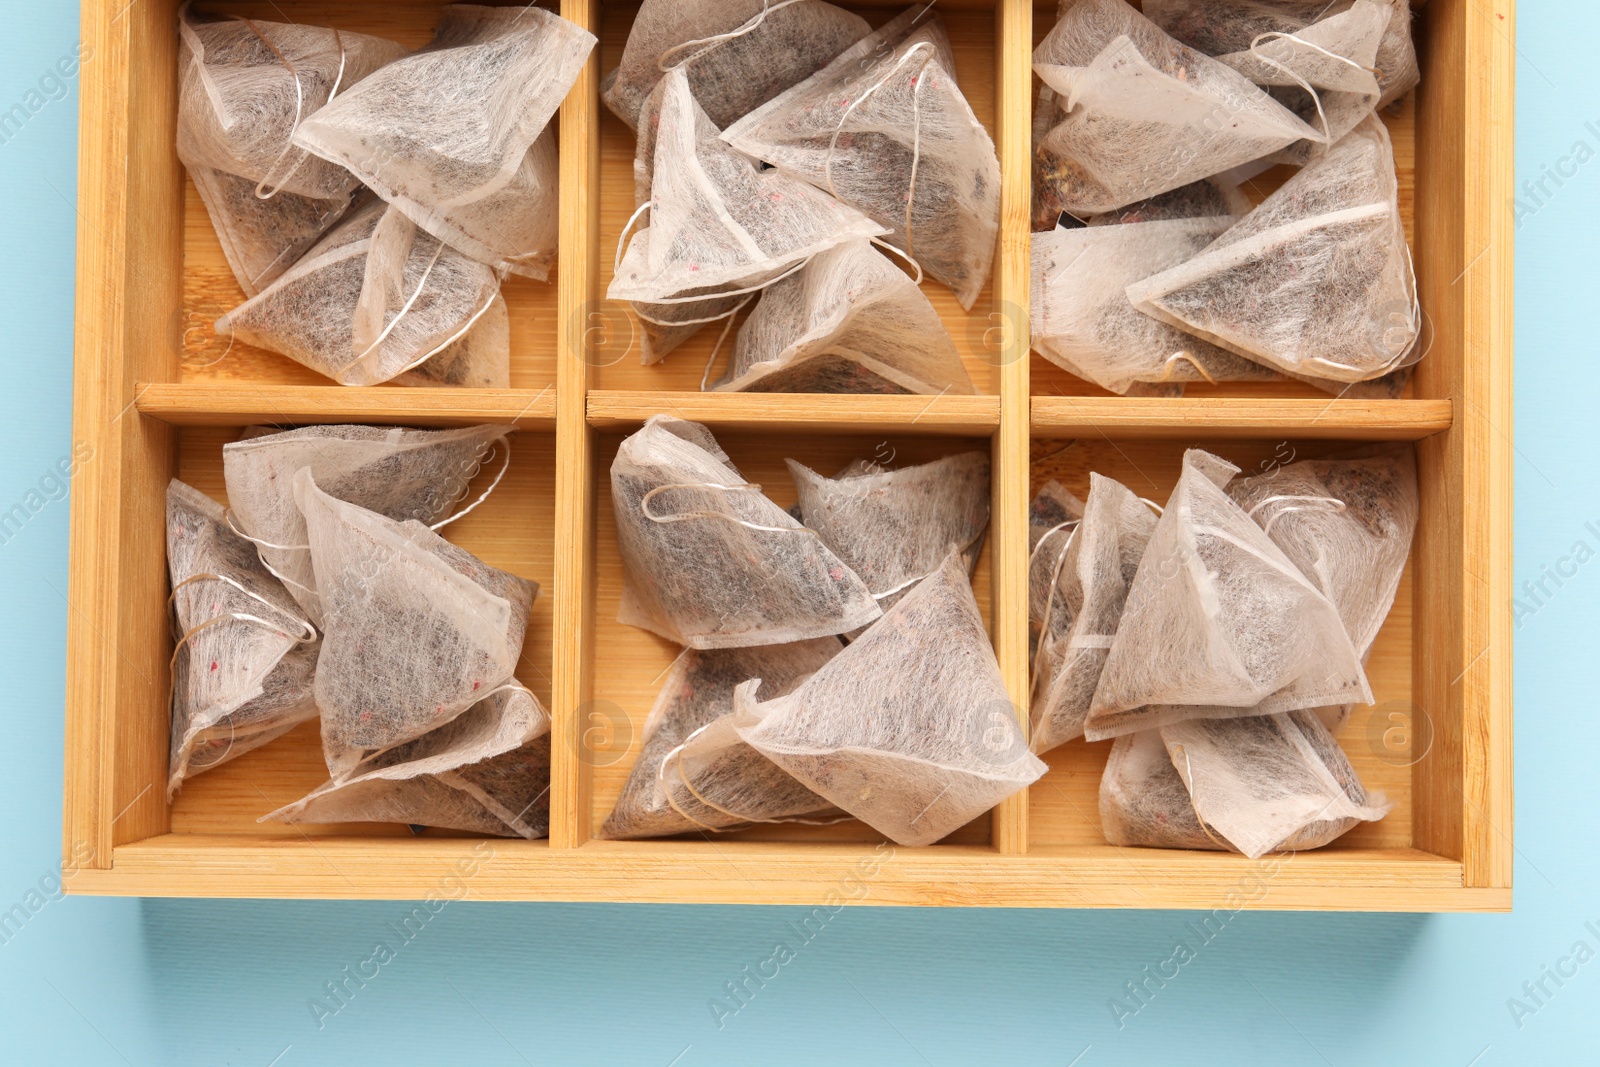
[(157, 393)]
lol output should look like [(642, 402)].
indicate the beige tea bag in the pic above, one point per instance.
[(849, 321), (1346, 523), (909, 729), (1219, 622), (885, 128), (1143, 800), (398, 473), (262, 238), (241, 668), (1270, 782), (375, 298), (1316, 281), (1053, 515), (457, 135), (1141, 114), (1084, 323), (709, 561), (1092, 575), (738, 54), (415, 630)]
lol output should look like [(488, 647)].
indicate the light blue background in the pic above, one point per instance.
[(93, 981)]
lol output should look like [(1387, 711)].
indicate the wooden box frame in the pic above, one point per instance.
[(139, 412)]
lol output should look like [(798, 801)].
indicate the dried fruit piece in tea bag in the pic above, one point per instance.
[(1143, 800), (1316, 281), (1346, 523), (884, 128), (909, 729), (1084, 323), (738, 54), (375, 298), (398, 473), (1219, 622), (709, 561), (415, 630), (241, 669), (1270, 782), (849, 305), (724, 782), (1139, 112), (456, 135), (262, 238), (1095, 572)]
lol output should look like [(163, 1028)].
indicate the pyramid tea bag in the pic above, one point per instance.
[(1346, 523), (1144, 801), (398, 473), (849, 305), (884, 128), (1270, 782), (909, 729), (415, 630), (1084, 323), (1095, 572), (262, 238), (479, 360), (738, 53), (895, 527), (709, 561), (457, 135), (723, 782), (375, 298), (241, 670), (1141, 114), (1316, 281), (1219, 622)]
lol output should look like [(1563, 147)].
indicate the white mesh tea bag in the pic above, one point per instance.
[(241, 668), (709, 561), (690, 775), (895, 527), (1346, 523), (1270, 782), (884, 128), (1219, 622), (849, 321), (437, 779), (456, 136), (398, 473), (717, 220), (375, 298), (909, 729), (415, 630), (1143, 800), (1141, 114), (262, 238), (738, 54), (1316, 281), (1091, 575), (1084, 323)]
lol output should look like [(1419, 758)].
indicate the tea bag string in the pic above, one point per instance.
[(1050, 595), (308, 629), (711, 360), (1188, 766), (715, 41), (1294, 502), (299, 106), (1400, 360), (505, 465), (887, 247), (738, 487), (1171, 361), (231, 616), (676, 756), (616, 264), (1316, 98), (227, 517), (909, 582)]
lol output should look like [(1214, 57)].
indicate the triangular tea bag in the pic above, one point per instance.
[(723, 782), (262, 238), (738, 53), (895, 527), (709, 561), (1139, 111), (1219, 622), (375, 298), (457, 135), (1084, 323), (398, 473), (1270, 782), (849, 307), (415, 630), (1095, 572), (241, 669), (1143, 801), (480, 359), (909, 729), (1346, 523), (884, 128), (1316, 281)]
